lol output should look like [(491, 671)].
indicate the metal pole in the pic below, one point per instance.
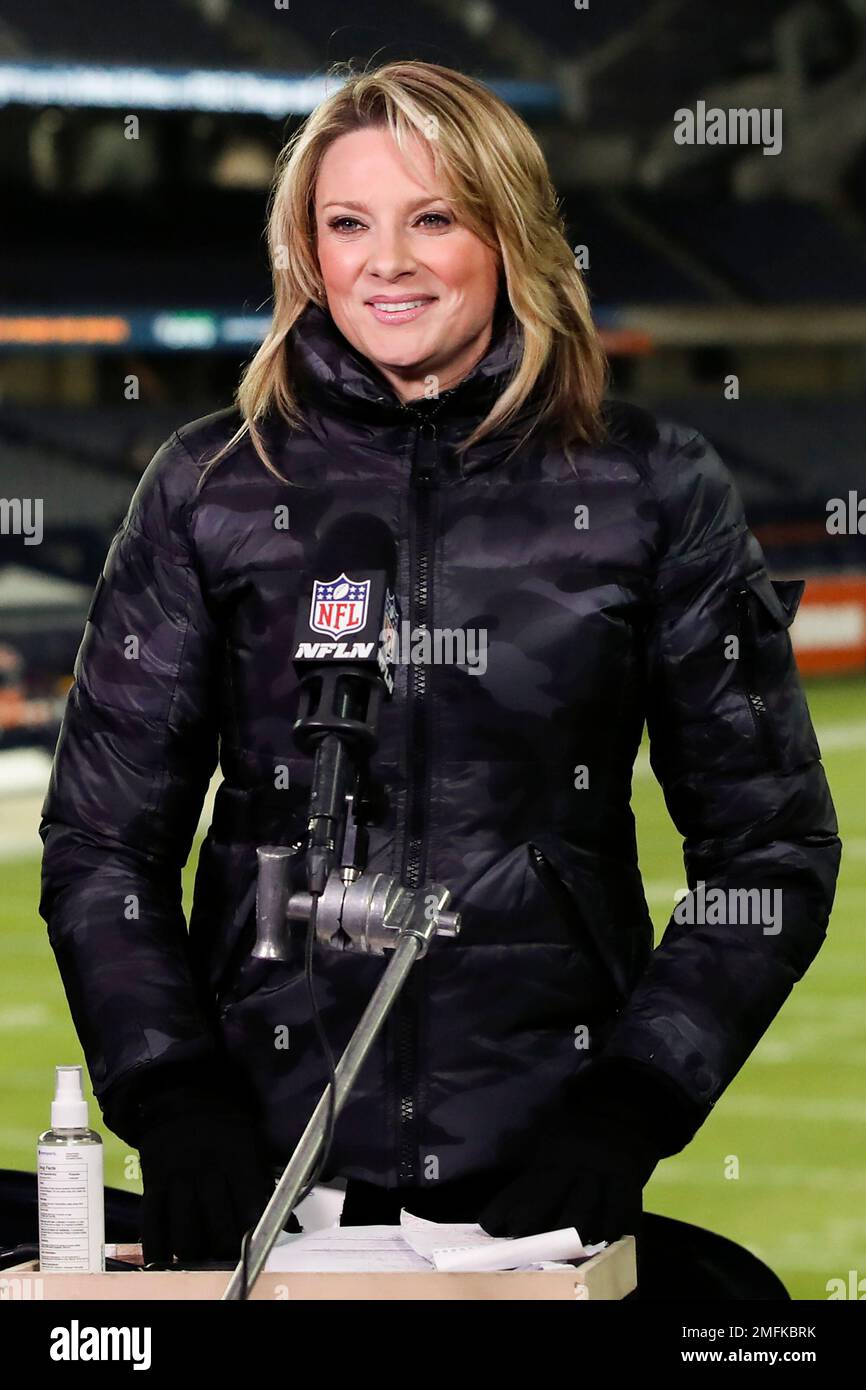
[(300, 1165)]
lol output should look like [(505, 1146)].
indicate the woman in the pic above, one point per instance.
[(433, 361)]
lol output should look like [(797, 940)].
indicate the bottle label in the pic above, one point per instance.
[(71, 1208)]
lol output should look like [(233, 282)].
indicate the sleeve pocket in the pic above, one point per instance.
[(784, 738), (779, 597)]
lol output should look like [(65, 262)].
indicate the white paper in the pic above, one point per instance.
[(466, 1247), (344, 1248), (418, 1245)]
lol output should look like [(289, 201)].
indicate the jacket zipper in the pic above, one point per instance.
[(406, 1009), (755, 700)]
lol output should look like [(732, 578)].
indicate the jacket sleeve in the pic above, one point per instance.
[(137, 747), (732, 744)]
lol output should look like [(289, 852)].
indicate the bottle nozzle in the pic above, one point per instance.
[(68, 1108)]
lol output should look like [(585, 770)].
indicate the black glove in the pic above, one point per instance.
[(204, 1165), (590, 1167)]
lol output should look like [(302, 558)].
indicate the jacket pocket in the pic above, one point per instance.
[(605, 904), (510, 904), (764, 609)]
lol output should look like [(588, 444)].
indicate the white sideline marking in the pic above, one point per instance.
[(829, 1251), (24, 1016), (811, 1109), (763, 1174), (21, 847)]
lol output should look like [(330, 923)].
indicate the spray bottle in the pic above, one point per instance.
[(70, 1184)]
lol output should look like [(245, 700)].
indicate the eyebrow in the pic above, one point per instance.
[(361, 207)]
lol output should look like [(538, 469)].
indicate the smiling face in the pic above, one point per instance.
[(385, 239)]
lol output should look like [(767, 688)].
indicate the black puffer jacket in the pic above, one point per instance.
[(608, 589)]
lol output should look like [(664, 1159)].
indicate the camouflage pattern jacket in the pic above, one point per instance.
[(619, 586)]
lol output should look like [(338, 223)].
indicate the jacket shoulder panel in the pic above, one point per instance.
[(165, 495), (630, 428), (700, 507), (205, 435), (695, 497)]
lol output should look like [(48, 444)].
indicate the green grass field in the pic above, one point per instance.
[(780, 1166)]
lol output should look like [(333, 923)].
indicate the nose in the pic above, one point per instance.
[(391, 254)]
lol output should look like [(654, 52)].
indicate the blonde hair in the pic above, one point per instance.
[(498, 181)]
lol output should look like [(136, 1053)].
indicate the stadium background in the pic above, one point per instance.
[(137, 143)]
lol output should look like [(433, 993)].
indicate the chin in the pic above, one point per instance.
[(394, 355)]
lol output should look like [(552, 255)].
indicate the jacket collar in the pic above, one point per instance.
[(335, 379)]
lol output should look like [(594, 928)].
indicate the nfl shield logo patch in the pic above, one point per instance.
[(339, 605)]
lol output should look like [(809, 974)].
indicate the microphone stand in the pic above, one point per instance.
[(355, 911)]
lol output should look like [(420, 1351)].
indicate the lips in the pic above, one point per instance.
[(404, 298), (391, 309)]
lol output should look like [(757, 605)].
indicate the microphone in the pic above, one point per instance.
[(344, 646)]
